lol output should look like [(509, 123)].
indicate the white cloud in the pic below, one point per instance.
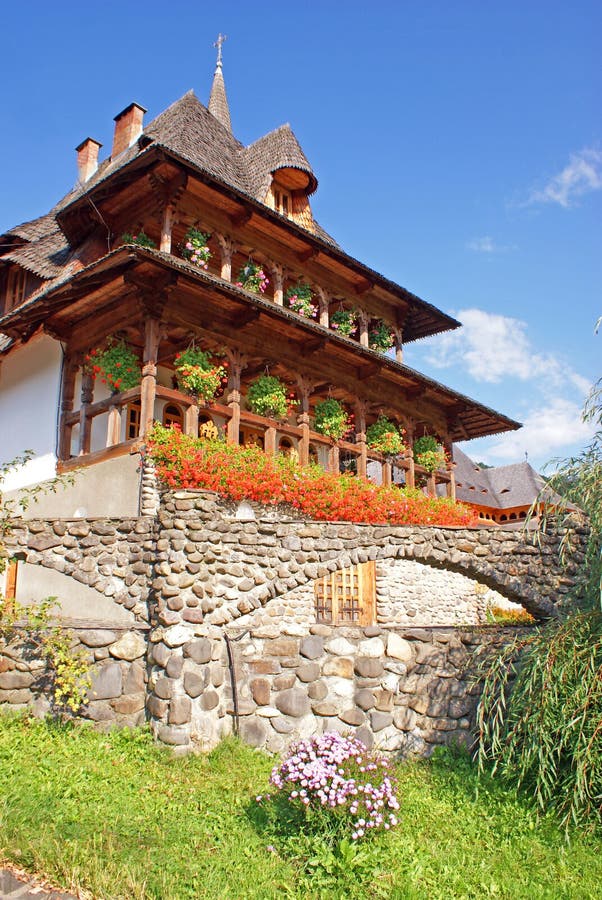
[(492, 348), (487, 245), (582, 175), (548, 429)]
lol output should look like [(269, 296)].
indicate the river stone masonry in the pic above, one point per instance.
[(223, 631)]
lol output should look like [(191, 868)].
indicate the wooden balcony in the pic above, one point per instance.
[(273, 436)]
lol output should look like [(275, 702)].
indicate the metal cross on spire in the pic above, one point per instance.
[(220, 40)]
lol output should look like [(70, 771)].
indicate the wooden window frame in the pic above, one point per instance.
[(16, 288), (283, 201), (132, 419), (10, 583), (165, 413), (347, 596)]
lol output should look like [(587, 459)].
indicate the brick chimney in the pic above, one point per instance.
[(87, 159), (128, 128)]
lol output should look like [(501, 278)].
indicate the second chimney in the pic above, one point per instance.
[(87, 159), (128, 128)]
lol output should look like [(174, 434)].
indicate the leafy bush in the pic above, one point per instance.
[(540, 715), (195, 248), (267, 396), (116, 364), (197, 376), (428, 453), (344, 321), (380, 337), (385, 437), (331, 419), (299, 298), (252, 278), (140, 239)]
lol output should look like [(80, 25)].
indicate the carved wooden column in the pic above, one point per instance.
[(85, 422), (191, 420), (334, 457), (69, 374), (432, 485), (269, 440), (305, 388), (277, 273), (167, 224), (237, 363), (387, 473), (360, 438), (114, 426), (148, 387), (227, 248), (323, 301), (363, 321), (410, 472), (450, 466), (398, 332)]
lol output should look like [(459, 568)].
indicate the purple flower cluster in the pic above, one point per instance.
[(338, 774)]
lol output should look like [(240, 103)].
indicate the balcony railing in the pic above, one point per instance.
[(269, 431)]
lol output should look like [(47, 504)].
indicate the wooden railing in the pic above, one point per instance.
[(271, 431)]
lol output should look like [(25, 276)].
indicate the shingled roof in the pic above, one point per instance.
[(501, 487)]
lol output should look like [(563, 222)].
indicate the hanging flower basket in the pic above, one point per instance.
[(252, 278), (429, 453), (140, 239), (380, 337), (198, 376), (299, 298), (195, 249), (116, 364), (332, 419), (267, 396), (344, 321), (385, 437)]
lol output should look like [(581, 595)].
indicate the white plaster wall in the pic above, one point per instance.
[(75, 602), (29, 398)]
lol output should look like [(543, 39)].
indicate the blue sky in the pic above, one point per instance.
[(458, 149)]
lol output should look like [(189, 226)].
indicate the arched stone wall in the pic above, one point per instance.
[(195, 575)]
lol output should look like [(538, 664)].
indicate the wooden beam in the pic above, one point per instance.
[(362, 286), (313, 345), (369, 371), (308, 254), (244, 317), (151, 283), (242, 218)]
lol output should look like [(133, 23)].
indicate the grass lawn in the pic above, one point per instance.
[(117, 817)]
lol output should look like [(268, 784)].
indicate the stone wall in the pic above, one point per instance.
[(403, 690), (204, 575), (117, 660)]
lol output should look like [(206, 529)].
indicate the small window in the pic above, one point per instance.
[(172, 415), (282, 202), (15, 287), (251, 438), (286, 447), (348, 596), (132, 420)]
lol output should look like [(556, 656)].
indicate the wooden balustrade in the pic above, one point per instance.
[(272, 432)]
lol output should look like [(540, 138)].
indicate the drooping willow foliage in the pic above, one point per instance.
[(540, 715)]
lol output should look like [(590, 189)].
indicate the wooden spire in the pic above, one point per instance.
[(218, 101)]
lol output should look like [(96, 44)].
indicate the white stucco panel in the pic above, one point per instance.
[(29, 400)]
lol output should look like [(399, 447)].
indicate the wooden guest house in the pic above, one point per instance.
[(184, 238)]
